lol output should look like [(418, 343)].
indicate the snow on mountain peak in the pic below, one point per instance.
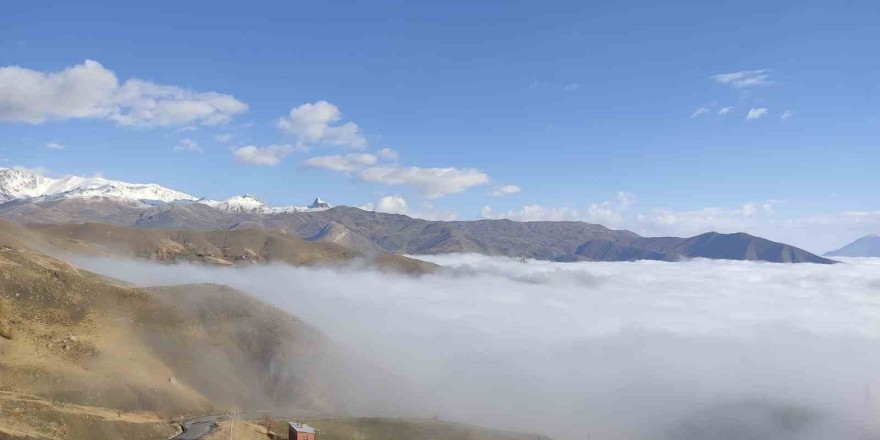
[(18, 184), (250, 204), (23, 184), (238, 204), (319, 204)]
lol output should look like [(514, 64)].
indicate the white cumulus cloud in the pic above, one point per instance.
[(399, 205), (392, 205), (725, 110), (615, 214), (91, 91), (661, 221), (786, 115), (312, 123), (263, 156), (388, 154), (608, 213), (531, 213)]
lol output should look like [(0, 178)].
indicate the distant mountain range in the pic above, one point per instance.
[(24, 185), (867, 246), (31, 198), (17, 184)]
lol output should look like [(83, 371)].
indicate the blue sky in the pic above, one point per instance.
[(592, 110)]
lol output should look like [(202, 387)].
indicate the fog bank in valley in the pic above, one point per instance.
[(645, 350)]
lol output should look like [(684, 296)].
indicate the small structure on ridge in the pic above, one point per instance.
[(300, 431)]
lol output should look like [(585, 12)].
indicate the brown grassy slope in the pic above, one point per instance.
[(240, 430), (190, 349), (32, 418), (245, 246)]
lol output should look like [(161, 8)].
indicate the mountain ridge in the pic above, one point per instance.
[(214, 247), (867, 246), (370, 231)]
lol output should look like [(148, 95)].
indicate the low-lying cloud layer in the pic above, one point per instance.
[(645, 350)]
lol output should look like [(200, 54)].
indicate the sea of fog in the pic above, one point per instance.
[(697, 350)]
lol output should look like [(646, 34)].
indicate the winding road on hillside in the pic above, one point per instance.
[(200, 427)]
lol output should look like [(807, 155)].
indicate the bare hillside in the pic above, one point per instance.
[(247, 246), (72, 336)]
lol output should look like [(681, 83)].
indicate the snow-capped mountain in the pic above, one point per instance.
[(250, 204), (319, 204), (18, 184), (237, 204)]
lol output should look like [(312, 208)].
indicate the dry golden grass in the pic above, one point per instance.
[(6, 327), (238, 247), (240, 430), (182, 350), (30, 417), (76, 338)]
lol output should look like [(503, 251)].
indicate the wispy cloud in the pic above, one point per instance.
[(756, 113), (506, 190), (725, 110), (430, 183), (223, 137), (188, 144), (264, 156), (698, 112), (344, 163), (55, 146), (744, 78), (786, 115), (551, 85)]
